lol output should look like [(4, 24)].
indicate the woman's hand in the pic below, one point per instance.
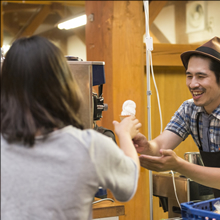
[(129, 125)]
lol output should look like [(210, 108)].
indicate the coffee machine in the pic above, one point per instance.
[(88, 74)]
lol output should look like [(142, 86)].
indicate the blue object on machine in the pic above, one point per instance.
[(98, 71), (200, 210), (98, 74), (102, 193)]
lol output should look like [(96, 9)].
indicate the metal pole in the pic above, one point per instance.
[(148, 51), (149, 135)]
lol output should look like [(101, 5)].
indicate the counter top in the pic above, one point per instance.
[(107, 208)]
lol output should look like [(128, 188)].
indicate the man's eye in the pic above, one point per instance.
[(188, 76)]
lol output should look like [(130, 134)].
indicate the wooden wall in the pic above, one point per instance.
[(172, 91), (115, 36)]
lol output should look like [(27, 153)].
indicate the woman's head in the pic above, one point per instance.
[(38, 92)]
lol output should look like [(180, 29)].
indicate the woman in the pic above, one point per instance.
[(51, 168)]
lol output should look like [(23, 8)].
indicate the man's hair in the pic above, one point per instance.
[(214, 66), (38, 91)]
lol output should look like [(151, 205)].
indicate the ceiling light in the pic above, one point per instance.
[(73, 23)]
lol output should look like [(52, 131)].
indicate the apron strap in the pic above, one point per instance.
[(211, 159), (197, 125)]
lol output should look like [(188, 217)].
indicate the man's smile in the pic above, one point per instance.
[(197, 94)]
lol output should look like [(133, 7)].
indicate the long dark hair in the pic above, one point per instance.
[(38, 91)]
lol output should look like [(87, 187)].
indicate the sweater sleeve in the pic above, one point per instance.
[(115, 170)]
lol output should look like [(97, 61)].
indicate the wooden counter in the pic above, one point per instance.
[(107, 208)]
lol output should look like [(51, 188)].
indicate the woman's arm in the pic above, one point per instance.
[(126, 130)]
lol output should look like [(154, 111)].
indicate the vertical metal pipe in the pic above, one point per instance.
[(149, 131), (146, 7)]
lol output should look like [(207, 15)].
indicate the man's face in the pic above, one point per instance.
[(202, 84)]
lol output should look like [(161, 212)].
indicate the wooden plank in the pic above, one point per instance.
[(106, 209), (37, 21), (73, 3), (169, 54), (154, 9)]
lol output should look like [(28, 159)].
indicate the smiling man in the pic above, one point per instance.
[(198, 117), (202, 83)]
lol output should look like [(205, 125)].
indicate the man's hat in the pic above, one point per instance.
[(210, 49)]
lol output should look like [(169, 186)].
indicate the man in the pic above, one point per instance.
[(199, 117)]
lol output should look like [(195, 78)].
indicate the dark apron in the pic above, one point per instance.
[(210, 159)]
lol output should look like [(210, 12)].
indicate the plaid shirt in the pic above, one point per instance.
[(184, 122)]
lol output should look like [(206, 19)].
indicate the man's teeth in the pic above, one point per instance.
[(197, 93)]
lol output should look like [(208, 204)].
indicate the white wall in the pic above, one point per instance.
[(76, 47), (165, 22), (212, 23)]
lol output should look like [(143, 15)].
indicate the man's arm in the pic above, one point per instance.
[(166, 140), (208, 176), (168, 160)]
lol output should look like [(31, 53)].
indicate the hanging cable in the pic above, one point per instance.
[(158, 97), (174, 186), (149, 67)]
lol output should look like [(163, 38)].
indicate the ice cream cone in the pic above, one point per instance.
[(123, 116), (128, 109)]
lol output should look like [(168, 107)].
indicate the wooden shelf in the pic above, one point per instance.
[(169, 54), (107, 208)]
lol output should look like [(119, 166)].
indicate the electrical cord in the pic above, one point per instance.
[(149, 48), (174, 186), (158, 98), (101, 200)]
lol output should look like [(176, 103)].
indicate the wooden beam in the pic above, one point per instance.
[(169, 54), (36, 22), (157, 32), (12, 7), (19, 18), (9, 25), (61, 10), (115, 36), (73, 3), (154, 9), (155, 39), (180, 22), (1, 24)]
